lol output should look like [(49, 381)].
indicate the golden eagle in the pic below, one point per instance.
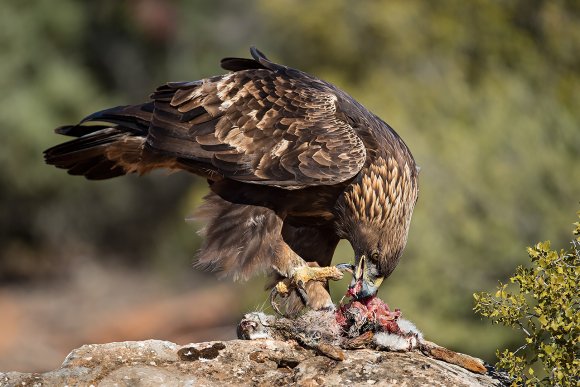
[(293, 163)]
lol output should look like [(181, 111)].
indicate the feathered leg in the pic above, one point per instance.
[(242, 240)]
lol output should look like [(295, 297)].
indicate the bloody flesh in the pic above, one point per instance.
[(366, 314)]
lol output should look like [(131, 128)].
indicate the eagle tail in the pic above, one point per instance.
[(108, 143)]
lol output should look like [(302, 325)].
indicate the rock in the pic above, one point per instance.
[(264, 362)]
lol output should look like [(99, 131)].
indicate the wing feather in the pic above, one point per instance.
[(264, 124)]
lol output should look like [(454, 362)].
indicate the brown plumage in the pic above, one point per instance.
[(294, 165)]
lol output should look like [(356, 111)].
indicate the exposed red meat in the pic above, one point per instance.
[(367, 314)]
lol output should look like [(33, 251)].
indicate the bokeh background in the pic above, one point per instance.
[(485, 93)]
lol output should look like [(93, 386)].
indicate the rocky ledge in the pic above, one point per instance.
[(264, 362)]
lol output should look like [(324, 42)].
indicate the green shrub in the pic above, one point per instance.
[(545, 308)]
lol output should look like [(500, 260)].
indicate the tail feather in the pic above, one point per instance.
[(86, 155), (97, 169), (102, 151), (132, 117)]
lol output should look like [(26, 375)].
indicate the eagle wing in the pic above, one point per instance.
[(263, 123)]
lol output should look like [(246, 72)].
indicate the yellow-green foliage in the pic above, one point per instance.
[(545, 308)]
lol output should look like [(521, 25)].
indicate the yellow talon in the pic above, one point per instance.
[(308, 273), (282, 288), (298, 280)]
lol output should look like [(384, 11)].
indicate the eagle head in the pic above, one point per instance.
[(376, 254), (375, 216)]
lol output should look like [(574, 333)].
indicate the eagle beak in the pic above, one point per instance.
[(365, 280)]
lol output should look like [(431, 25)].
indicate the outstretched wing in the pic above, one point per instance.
[(263, 123)]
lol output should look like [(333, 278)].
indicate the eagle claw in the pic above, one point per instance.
[(346, 267), (298, 280)]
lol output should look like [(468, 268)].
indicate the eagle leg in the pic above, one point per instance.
[(303, 282), (313, 273)]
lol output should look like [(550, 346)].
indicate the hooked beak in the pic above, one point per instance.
[(365, 279)]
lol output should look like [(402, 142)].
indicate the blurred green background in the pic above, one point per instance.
[(485, 93)]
